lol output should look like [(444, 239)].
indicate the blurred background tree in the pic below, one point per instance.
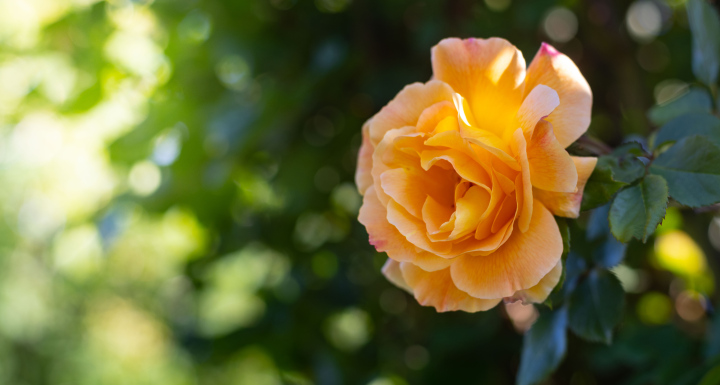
[(178, 202)]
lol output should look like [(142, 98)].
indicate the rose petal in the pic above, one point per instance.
[(551, 167), (437, 289), (469, 210), (363, 174), (555, 70), (385, 236), (414, 231), (539, 292), (488, 73), (518, 264), (391, 271), (433, 115), (539, 103), (568, 204), (522, 182), (384, 158), (410, 187), (407, 107)]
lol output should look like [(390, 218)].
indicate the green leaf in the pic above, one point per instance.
[(631, 147), (626, 168), (602, 184), (609, 252), (639, 209), (697, 100), (596, 306), (691, 168), (544, 346), (699, 123), (575, 266), (705, 27)]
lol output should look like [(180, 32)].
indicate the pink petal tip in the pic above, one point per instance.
[(547, 49)]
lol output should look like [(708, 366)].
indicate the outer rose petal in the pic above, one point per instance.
[(391, 271), (385, 236), (363, 174), (437, 289), (405, 109), (568, 204), (518, 264), (488, 73), (522, 182), (551, 167), (555, 70), (542, 290)]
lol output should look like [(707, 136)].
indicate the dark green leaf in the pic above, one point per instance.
[(544, 346), (602, 184), (705, 27), (575, 266), (598, 226), (700, 123), (596, 306), (697, 100), (639, 209), (633, 147), (610, 253), (692, 170), (626, 169)]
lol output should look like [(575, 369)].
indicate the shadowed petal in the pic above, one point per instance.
[(391, 271), (540, 292), (568, 204), (363, 174), (551, 167), (522, 181)]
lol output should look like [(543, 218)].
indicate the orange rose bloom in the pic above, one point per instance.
[(461, 175)]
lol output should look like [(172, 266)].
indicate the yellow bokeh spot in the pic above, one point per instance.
[(678, 253), (654, 308)]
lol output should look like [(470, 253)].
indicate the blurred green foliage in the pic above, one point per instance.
[(178, 202)]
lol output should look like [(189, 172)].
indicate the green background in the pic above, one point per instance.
[(178, 203)]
